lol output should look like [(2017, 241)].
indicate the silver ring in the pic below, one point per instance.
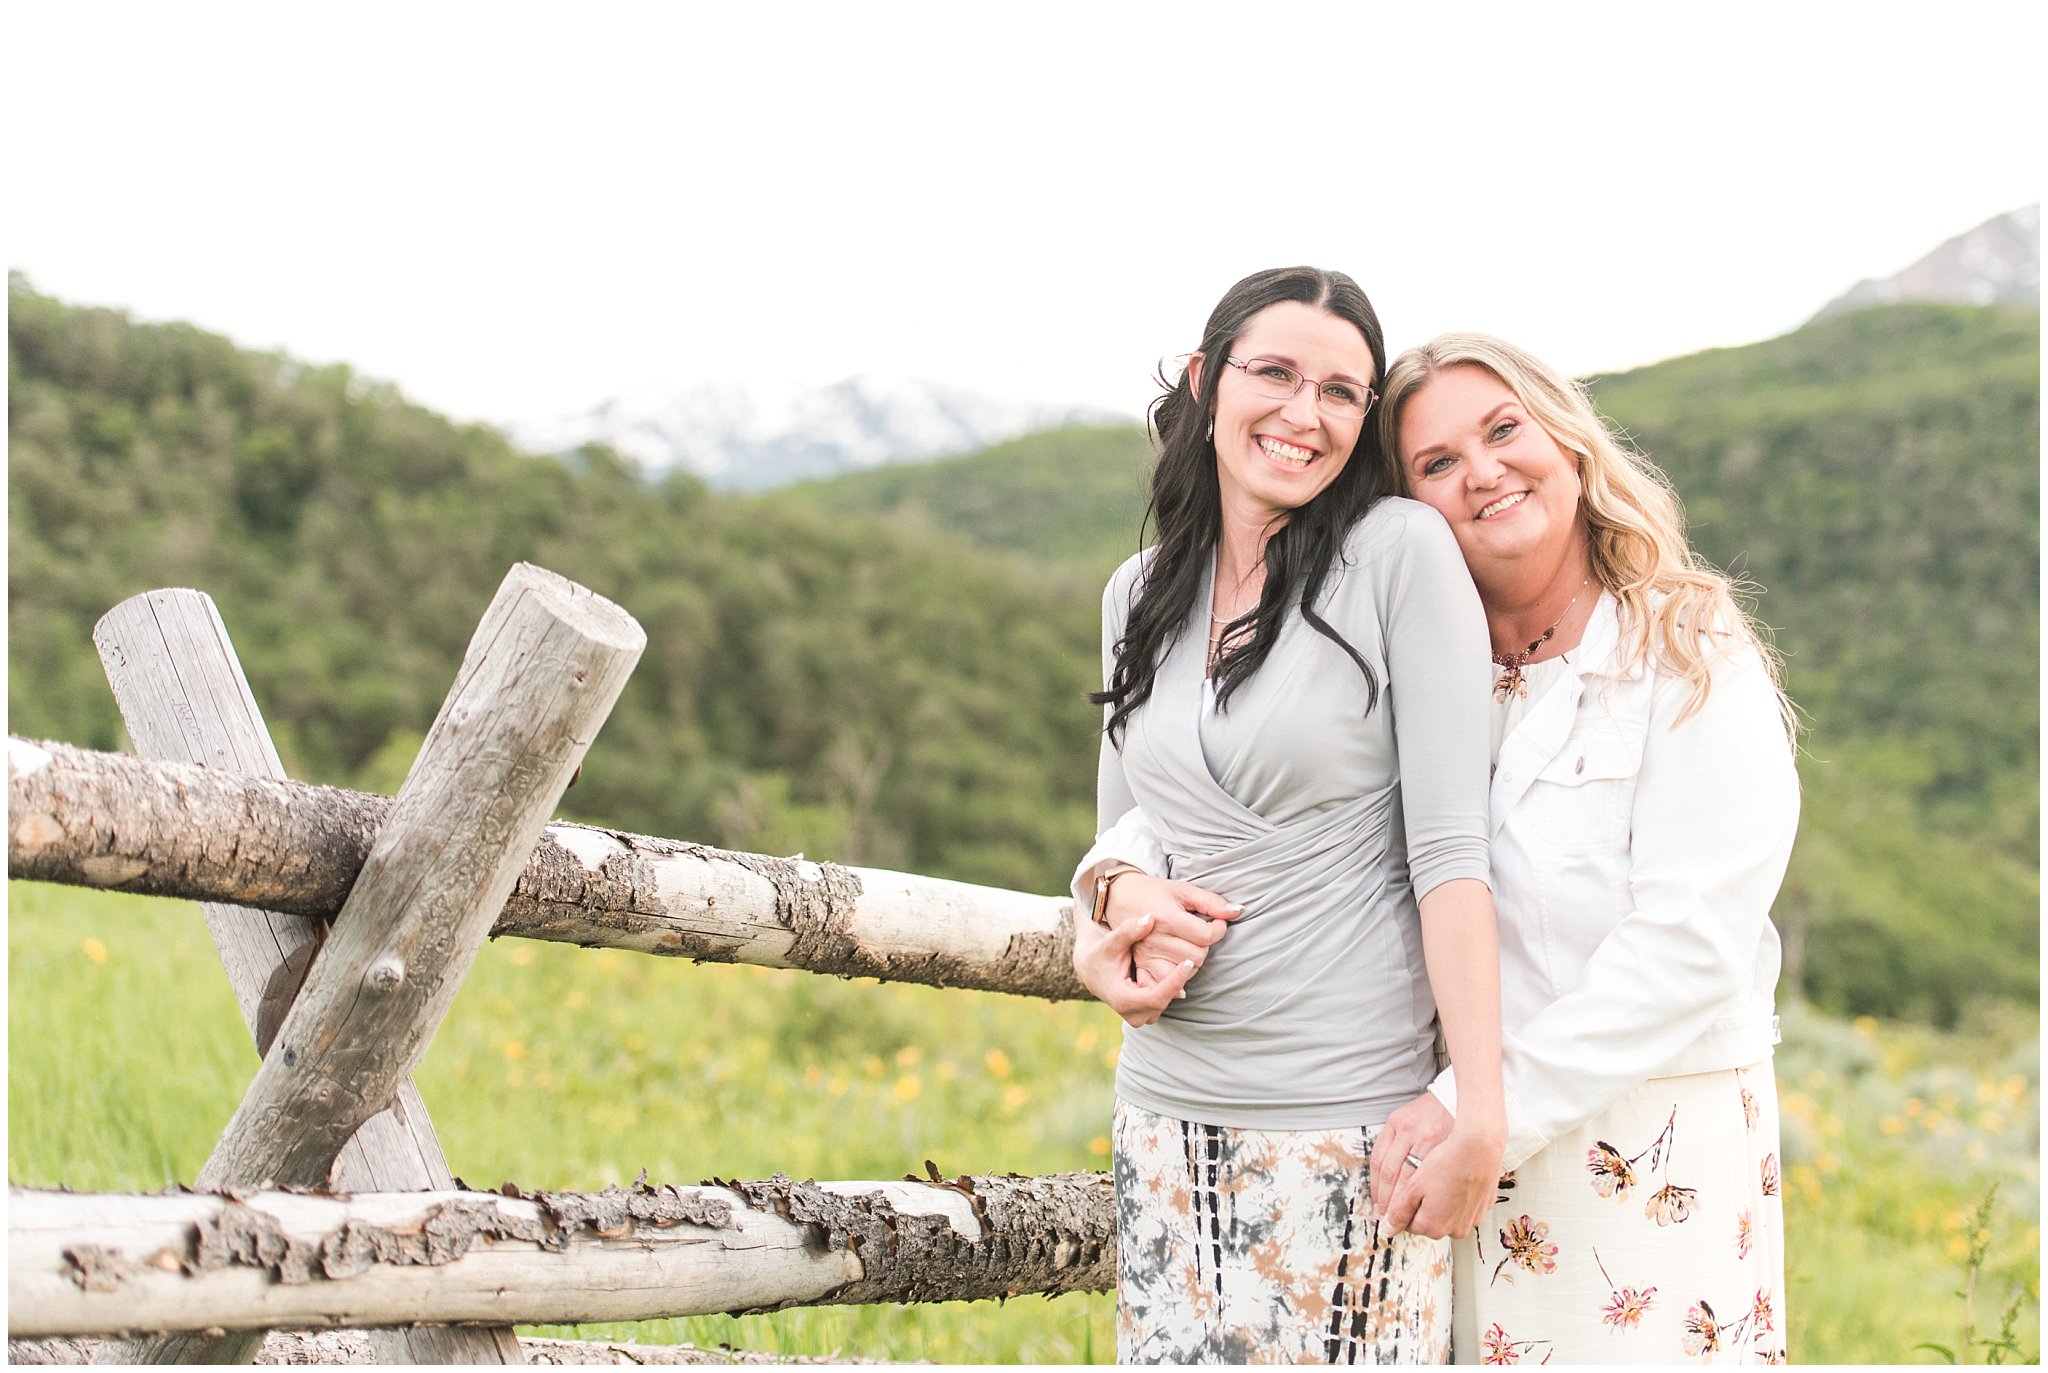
[(1414, 1162)]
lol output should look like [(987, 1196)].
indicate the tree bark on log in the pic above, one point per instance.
[(85, 1264), (183, 697), (122, 824), (343, 1347)]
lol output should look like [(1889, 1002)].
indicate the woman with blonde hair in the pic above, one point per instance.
[(1642, 809)]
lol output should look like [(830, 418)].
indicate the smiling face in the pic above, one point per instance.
[(1471, 449), (1275, 455)]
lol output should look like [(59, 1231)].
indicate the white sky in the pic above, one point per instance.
[(515, 210)]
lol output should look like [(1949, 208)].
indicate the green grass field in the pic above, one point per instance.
[(567, 1069)]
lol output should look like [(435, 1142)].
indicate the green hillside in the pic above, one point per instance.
[(811, 682), (1878, 475), (1066, 498)]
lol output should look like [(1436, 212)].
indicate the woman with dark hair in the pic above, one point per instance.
[(1289, 707)]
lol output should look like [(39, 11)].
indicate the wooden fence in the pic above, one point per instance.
[(346, 922)]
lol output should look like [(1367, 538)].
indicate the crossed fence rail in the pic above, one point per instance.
[(345, 923)]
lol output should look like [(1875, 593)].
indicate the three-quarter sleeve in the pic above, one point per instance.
[(1119, 824), (1436, 644)]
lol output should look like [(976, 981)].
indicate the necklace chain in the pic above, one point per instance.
[(1513, 682), (1219, 625)]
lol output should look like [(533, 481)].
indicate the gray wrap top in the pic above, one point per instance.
[(1325, 822)]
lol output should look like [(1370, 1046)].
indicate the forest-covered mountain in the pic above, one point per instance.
[(1878, 475), (888, 669), (810, 683)]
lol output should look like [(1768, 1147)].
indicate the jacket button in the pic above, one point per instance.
[(1580, 766)]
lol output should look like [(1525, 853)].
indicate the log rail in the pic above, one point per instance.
[(193, 1261), (121, 823)]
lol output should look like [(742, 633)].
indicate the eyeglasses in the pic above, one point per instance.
[(1347, 399)]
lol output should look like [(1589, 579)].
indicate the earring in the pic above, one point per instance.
[(1211, 435)]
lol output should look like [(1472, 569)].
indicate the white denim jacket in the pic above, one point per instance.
[(1634, 863)]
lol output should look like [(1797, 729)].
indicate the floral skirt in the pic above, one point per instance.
[(1259, 1246), (1654, 1233)]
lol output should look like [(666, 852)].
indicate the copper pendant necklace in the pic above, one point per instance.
[(1512, 681)]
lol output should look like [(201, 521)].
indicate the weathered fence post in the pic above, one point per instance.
[(542, 672), (184, 698)]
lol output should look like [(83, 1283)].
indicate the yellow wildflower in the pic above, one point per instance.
[(1086, 1040), (908, 1087), (1866, 1025), (1015, 1096), (1099, 1146), (813, 1075), (998, 1063), (522, 956), (908, 1055), (947, 1070), (514, 1050), (95, 950), (873, 1067)]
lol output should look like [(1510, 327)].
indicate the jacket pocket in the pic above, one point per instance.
[(1584, 795)]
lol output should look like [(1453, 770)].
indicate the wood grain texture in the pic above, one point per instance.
[(183, 697), (542, 672)]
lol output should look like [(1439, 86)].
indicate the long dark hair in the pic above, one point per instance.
[(1187, 506)]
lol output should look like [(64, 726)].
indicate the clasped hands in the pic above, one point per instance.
[(1451, 1187), (1160, 933)]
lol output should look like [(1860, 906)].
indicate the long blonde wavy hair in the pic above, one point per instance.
[(1675, 608)]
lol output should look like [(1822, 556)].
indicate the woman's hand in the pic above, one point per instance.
[(1187, 920), (1411, 1132), (1456, 1183), (1102, 960)]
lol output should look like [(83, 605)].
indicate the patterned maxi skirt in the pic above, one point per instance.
[(1259, 1246), (1654, 1233)]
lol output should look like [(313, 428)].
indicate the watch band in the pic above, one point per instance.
[(1102, 886)]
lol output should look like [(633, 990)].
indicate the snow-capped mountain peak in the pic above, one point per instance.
[(751, 437)]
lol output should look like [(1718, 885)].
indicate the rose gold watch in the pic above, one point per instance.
[(1102, 886)]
